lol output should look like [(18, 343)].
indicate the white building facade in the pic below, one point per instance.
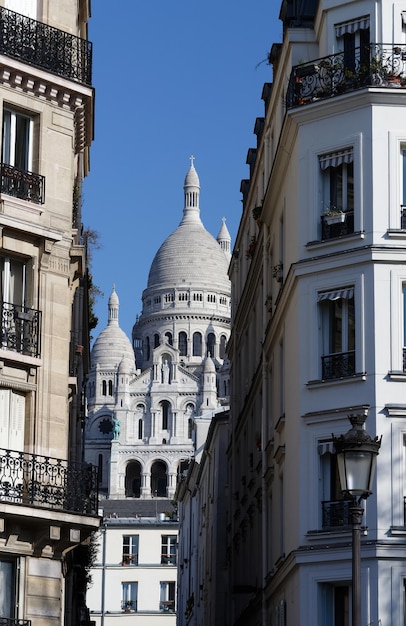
[(319, 283)]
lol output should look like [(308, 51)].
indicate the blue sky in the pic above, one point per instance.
[(172, 79)]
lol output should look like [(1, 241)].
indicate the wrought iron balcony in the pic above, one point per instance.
[(338, 365), (45, 47), (10, 621), (20, 329), (376, 65), (21, 184), (335, 513), (338, 228), (46, 482), (403, 218), (404, 359)]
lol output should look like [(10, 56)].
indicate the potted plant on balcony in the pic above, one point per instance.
[(333, 215)]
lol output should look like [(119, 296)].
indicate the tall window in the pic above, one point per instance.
[(404, 327), (165, 414), (182, 343), (337, 193), (168, 549), (223, 346), (13, 280), (211, 342), (129, 593), (335, 604), (197, 344), (167, 597), (12, 419), (7, 599), (338, 333), (130, 549), (17, 140), (26, 7), (334, 509)]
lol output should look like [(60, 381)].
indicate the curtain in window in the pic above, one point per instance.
[(6, 588)]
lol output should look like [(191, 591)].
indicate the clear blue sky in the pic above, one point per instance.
[(172, 78)]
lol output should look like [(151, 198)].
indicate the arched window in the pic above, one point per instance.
[(104, 388), (110, 387), (211, 342), (133, 480), (140, 428), (197, 344), (182, 343), (189, 428), (223, 345), (147, 349), (159, 479), (165, 414), (156, 340), (169, 338)]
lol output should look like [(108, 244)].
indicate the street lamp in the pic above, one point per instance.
[(356, 461)]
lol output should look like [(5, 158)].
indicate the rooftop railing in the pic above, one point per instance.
[(46, 482), (375, 65), (45, 47)]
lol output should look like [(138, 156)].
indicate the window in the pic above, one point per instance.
[(197, 344), (334, 509), (354, 37), (26, 7), (156, 340), (130, 550), (110, 387), (13, 281), (167, 597), (7, 581), (104, 388), (404, 327), (338, 333), (140, 428), (335, 604), (211, 342), (129, 592), (17, 140), (223, 346), (12, 419), (169, 339), (165, 414), (182, 344), (337, 193), (168, 549)]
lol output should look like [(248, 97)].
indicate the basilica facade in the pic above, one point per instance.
[(146, 396)]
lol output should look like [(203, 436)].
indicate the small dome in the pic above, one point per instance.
[(209, 367), (112, 345)]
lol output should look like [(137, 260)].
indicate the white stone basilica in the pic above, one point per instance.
[(145, 399)]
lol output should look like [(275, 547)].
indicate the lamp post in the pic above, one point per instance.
[(356, 461)]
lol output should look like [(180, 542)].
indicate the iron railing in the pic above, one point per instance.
[(375, 65), (20, 329), (338, 365), (335, 513), (10, 621), (46, 482), (45, 47), (343, 225), (404, 359), (21, 184)]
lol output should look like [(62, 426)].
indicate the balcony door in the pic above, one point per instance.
[(25, 7)]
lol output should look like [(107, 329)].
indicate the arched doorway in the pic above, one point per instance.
[(133, 480), (159, 479)]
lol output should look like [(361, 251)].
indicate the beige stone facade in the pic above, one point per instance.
[(48, 500)]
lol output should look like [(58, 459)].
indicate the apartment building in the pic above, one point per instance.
[(48, 497)]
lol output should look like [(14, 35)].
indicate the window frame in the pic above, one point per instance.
[(129, 596), (169, 549), (130, 550), (334, 328)]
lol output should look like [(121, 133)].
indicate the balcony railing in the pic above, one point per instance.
[(10, 621), (335, 513), (338, 228), (403, 217), (338, 365), (375, 65), (404, 359), (21, 184), (20, 329), (46, 482), (45, 47), (168, 559)]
